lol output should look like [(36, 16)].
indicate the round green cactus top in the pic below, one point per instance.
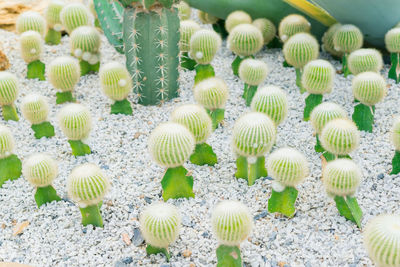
[(196, 119), (207, 18), (318, 76), (292, 24), (74, 15), (253, 71), (267, 29), (171, 144), (8, 88), (253, 135), (369, 88), (392, 40), (35, 108), (31, 46), (324, 113), (40, 170), (187, 29), (87, 185), (115, 80), (340, 136), (341, 177), (348, 38), (31, 21), (64, 73), (52, 14), (75, 121), (365, 59), (204, 44), (272, 101), (245, 40), (327, 40), (211, 93), (184, 10), (160, 224), (300, 49), (236, 18), (85, 43), (395, 133), (231, 222), (6, 142), (382, 239)]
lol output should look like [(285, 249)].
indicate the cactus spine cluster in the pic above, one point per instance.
[(31, 46), (8, 94), (267, 29), (392, 41), (236, 18), (363, 60), (292, 24), (52, 15), (31, 21), (75, 15), (395, 139), (252, 72), (10, 165), (327, 41)]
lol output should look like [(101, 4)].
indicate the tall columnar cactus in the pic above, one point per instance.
[(170, 145), (160, 224), (347, 39), (75, 15), (327, 41), (31, 47), (267, 29), (8, 94), (382, 239), (395, 139), (300, 49), (341, 179), (52, 15), (365, 59), (40, 170), (317, 79), (76, 122), (231, 224), (35, 109), (369, 88), (10, 165), (272, 101), (31, 21), (292, 24), (254, 135), (187, 29), (64, 73), (392, 41), (86, 186), (252, 72), (116, 84), (288, 167), (236, 18), (212, 94)]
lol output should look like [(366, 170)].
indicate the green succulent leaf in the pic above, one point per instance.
[(45, 195), (121, 107), (187, 62), (177, 184), (250, 172), (318, 147), (203, 155), (217, 116), (312, 101), (345, 67), (396, 163), (79, 148), (36, 70), (10, 113), (10, 168), (203, 72), (91, 215), (236, 64), (299, 73), (394, 71), (249, 92), (229, 256), (363, 117), (44, 129), (63, 97), (153, 250), (348, 208), (283, 202), (53, 37), (87, 68)]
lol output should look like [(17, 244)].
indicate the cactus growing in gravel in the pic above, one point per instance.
[(231, 224), (87, 186), (170, 145), (317, 79), (392, 41), (8, 94), (184, 10), (252, 72), (116, 84), (76, 122), (382, 239), (75, 15), (341, 179), (395, 139), (31, 46), (347, 39), (327, 41), (267, 29), (160, 224), (236, 18), (212, 94), (31, 21), (253, 136), (187, 29), (10, 165), (292, 24), (369, 88), (197, 120), (288, 167), (40, 170), (366, 59), (52, 15), (35, 109)]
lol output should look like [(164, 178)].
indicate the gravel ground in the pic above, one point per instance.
[(316, 236)]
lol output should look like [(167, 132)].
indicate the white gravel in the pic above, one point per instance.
[(316, 236)]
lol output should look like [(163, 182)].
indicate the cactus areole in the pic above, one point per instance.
[(147, 31)]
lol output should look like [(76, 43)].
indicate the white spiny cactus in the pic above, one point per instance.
[(204, 44), (6, 142), (245, 40), (341, 177), (40, 170), (236, 18), (64, 73), (115, 80), (52, 14), (292, 24), (211, 93), (366, 59), (318, 76), (31, 46), (187, 29), (35, 108), (8, 88), (324, 113), (31, 21), (253, 71), (369, 88), (75, 15), (75, 121)]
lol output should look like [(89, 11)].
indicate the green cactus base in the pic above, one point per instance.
[(53, 37), (329, 156), (235, 65), (299, 73), (45, 195), (79, 148), (87, 68), (396, 163), (248, 93), (363, 116), (219, 27), (44, 129), (229, 256), (176, 183), (91, 215), (394, 72), (10, 113), (203, 72), (283, 202), (250, 172), (318, 147), (217, 116), (154, 250), (10, 169), (345, 67), (187, 62), (36, 70), (348, 208), (312, 101), (63, 97), (121, 107), (203, 155)]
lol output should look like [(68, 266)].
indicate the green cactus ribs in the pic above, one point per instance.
[(10, 113), (394, 72), (283, 202), (91, 215), (312, 101), (53, 37), (45, 195), (363, 117), (348, 207), (177, 183), (250, 171), (203, 155), (154, 250), (217, 116), (63, 97), (44, 129), (396, 163), (10, 169), (36, 70), (203, 72), (79, 148), (121, 107), (229, 256)]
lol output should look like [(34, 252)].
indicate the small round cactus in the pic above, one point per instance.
[(8, 88), (369, 88), (211, 93), (236, 18), (348, 38), (324, 113), (35, 109), (31, 21), (85, 44), (267, 29), (253, 71), (300, 49), (327, 40), (160, 224), (318, 76), (187, 29), (74, 15), (340, 136), (245, 40), (203, 46), (6, 142), (207, 18), (395, 133), (64, 73), (171, 144), (31, 45), (184, 10), (363, 60), (40, 170), (272, 101), (382, 239), (341, 177), (52, 14), (75, 121), (115, 81), (231, 222), (292, 24), (392, 40)]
